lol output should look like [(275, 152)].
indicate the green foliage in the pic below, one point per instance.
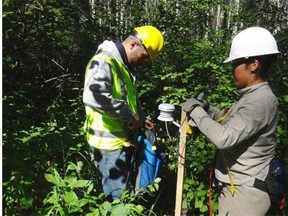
[(46, 46), (199, 157), (69, 195), (17, 193), (72, 195)]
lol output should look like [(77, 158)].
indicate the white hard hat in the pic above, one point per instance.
[(253, 41)]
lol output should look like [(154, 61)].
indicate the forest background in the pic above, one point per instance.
[(46, 46)]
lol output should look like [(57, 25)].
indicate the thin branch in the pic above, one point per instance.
[(64, 75), (58, 64)]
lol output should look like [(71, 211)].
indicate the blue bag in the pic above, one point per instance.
[(149, 159), (275, 183)]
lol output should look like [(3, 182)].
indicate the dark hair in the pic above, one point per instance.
[(265, 62)]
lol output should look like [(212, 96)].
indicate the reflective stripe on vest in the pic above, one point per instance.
[(104, 131)]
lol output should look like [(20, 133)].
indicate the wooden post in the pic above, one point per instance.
[(181, 164)]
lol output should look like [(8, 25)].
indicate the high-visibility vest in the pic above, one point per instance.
[(104, 131)]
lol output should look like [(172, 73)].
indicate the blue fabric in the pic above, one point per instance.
[(114, 167), (276, 182), (150, 163)]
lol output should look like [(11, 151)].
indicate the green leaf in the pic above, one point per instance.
[(54, 178), (201, 193), (95, 212), (198, 203), (5, 2), (105, 208), (90, 188), (70, 197), (79, 183), (119, 210), (52, 197), (82, 202), (139, 208)]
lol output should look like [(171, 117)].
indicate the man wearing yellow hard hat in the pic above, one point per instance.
[(113, 111)]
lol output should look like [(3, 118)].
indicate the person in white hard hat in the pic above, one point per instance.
[(245, 134)]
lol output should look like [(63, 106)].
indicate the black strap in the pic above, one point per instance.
[(260, 185)]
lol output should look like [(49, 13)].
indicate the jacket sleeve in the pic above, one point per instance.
[(214, 112), (243, 125), (98, 91)]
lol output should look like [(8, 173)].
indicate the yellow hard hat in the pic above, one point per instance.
[(152, 40)]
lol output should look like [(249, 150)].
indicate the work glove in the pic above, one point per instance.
[(205, 105), (188, 107), (191, 103)]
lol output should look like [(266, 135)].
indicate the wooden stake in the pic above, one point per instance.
[(181, 164)]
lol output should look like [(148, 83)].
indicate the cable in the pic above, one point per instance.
[(167, 131)]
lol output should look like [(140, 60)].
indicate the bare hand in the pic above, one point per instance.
[(149, 125), (135, 123)]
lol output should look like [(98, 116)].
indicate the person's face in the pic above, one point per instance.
[(138, 54), (244, 73)]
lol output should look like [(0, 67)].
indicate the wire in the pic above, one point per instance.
[(167, 131), (178, 135)]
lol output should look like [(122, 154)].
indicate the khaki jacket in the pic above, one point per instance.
[(246, 138)]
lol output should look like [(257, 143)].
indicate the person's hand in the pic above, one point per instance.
[(149, 125), (134, 124), (205, 105), (190, 104)]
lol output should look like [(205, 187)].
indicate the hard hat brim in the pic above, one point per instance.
[(232, 58)]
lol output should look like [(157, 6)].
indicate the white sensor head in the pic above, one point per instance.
[(166, 111)]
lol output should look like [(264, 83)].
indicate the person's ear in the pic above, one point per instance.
[(254, 65), (133, 44)]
